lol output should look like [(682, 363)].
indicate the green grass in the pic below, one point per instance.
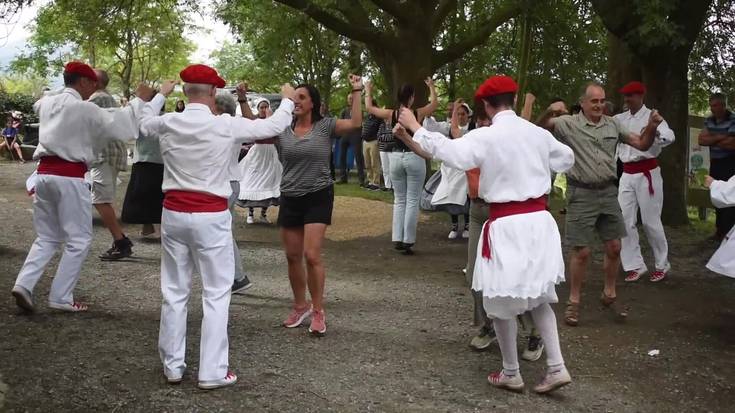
[(353, 190)]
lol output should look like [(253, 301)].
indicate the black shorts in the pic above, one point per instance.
[(312, 208)]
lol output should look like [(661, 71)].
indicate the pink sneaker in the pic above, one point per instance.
[(318, 323), (297, 316)]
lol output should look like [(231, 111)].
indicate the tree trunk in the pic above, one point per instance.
[(667, 86), (524, 58), (622, 67)]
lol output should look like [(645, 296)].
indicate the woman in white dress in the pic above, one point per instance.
[(723, 196), (451, 194), (261, 169)]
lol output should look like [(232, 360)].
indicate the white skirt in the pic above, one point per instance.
[(525, 264), (723, 260), (452, 189), (261, 174)]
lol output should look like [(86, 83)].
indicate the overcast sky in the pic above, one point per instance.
[(14, 35)]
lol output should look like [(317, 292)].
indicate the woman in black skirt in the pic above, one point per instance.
[(144, 199)]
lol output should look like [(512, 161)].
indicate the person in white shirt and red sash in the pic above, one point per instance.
[(197, 147), (722, 194), (641, 187), (70, 129), (519, 258)]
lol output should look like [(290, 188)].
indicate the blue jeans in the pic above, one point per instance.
[(407, 174)]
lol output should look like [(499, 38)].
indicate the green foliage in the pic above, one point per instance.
[(132, 39), (278, 45), (17, 101), (712, 62)]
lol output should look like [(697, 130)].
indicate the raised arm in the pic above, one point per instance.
[(460, 154), (384, 114), (433, 100), (528, 106), (242, 99), (664, 135), (149, 121), (645, 140), (561, 157), (345, 126), (246, 130)]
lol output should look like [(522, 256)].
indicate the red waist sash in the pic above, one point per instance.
[(188, 201), (53, 165), (642, 167), (504, 209)]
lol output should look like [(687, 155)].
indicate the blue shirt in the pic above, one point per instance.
[(726, 127), (10, 132)]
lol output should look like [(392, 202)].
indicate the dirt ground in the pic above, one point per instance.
[(399, 329)]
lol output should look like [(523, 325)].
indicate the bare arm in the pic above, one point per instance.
[(242, 99), (345, 126), (384, 114), (727, 143), (433, 101), (645, 140), (403, 135), (528, 106)]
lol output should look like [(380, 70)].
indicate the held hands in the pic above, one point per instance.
[(401, 133), (429, 82), (355, 82), (655, 119), (168, 86), (287, 91), (145, 92), (242, 91), (408, 120), (708, 181)]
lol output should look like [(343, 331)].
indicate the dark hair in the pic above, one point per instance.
[(262, 101), (576, 108), (556, 99), (718, 96), (316, 101), (71, 79), (503, 99), (405, 92)]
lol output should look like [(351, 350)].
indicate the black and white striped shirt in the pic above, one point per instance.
[(306, 160)]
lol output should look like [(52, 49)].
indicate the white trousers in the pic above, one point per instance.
[(632, 195), (196, 242), (62, 215), (385, 166)]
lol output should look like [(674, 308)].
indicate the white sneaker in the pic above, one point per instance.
[(453, 234), (229, 380), (250, 219), (263, 220), (466, 234), (500, 380), (76, 307), (23, 298), (553, 381)]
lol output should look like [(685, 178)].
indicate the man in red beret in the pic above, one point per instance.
[(519, 258), (70, 129), (641, 186), (196, 147), (593, 210)]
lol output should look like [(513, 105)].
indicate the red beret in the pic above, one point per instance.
[(496, 85), (81, 69), (202, 74), (634, 87)]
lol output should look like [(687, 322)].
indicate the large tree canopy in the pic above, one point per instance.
[(133, 39)]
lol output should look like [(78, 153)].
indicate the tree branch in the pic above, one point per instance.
[(441, 13), (336, 24), (452, 52), (394, 8)]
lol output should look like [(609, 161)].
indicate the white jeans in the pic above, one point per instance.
[(199, 242), (408, 172), (385, 166), (62, 215), (633, 194)]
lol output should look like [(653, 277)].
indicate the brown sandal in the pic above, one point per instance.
[(571, 314), (609, 303)]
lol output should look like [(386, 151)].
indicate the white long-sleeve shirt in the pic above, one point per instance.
[(723, 193), (197, 146), (636, 123), (515, 157), (75, 130)]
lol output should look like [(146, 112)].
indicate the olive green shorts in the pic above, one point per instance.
[(593, 212)]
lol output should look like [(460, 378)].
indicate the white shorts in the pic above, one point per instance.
[(104, 183)]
